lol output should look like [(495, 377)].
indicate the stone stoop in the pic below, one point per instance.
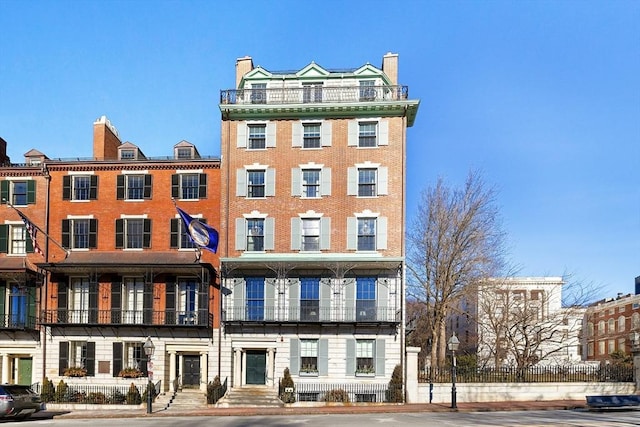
[(250, 397), (186, 399)]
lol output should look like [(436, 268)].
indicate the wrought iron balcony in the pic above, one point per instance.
[(272, 314), (17, 322), (67, 317), (314, 95)]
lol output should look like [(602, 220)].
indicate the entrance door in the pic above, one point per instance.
[(25, 370), (190, 371), (256, 367)]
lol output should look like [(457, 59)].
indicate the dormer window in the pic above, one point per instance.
[(184, 153), (128, 154)]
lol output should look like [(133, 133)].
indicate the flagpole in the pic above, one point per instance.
[(66, 251)]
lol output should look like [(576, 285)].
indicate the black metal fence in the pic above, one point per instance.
[(95, 394), (534, 374), (215, 391), (345, 393)]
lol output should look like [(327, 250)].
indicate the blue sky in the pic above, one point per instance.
[(542, 96)]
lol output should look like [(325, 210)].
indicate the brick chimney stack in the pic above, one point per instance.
[(105, 140), (390, 67), (243, 66)]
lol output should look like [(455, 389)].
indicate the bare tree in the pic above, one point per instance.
[(455, 240)]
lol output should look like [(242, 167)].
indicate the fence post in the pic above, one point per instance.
[(412, 375)]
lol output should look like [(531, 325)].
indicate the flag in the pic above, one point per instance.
[(200, 233), (33, 232)]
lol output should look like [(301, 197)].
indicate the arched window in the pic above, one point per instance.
[(611, 324), (601, 330), (590, 329), (621, 324), (635, 321)]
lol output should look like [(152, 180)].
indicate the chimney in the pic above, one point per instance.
[(243, 66), (4, 159), (390, 67), (638, 285), (105, 140)]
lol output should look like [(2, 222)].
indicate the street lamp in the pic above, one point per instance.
[(453, 344), (148, 350)]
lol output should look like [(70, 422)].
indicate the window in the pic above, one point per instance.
[(255, 235), (601, 330), (256, 183), (621, 344), (367, 134), (187, 302), (611, 324), (18, 192), (366, 234), (257, 137), (308, 356), (311, 234), (184, 153), (79, 187), (20, 300), (590, 349), (79, 300), (18, 238), (311, 183), (590, 329), (80, 233), (367, 182), (309, 299), (188, 186), (259, 93), (621, 324), (367, 90), (132, 301), (133, 233), (311, 135), (134, 187), (312, 92), (611, 346), (127, 154), (635, 321), (77, 354), (134, 356), (365, 298), (601, 347), (255, 298), (180, 235), (364, 357)]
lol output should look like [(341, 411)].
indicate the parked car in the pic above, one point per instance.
[(18, 401)]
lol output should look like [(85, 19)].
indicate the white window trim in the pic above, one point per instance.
[(136, 172)]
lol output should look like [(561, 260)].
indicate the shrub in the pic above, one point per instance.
[(287, 383), (394, 393), (133, 395), (214, 390), (48, 390), (96, 397), (336, 395), (117, 397), (151, 388), (61, 391)]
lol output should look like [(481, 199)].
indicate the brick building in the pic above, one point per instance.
[(312, 221)]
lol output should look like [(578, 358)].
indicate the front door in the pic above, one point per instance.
[(25, 366), (256, 367), (190, 371)]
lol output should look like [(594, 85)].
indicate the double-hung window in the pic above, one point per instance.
[(180, 237), (79, 233), (256, 183), (308, 356), (18, 192), (188, 302), (18, 307), (311, 135), (257, 137), (367, 90), (133, 301), (254, 298), (79, 300), (81, 187), (188, 186), (18, 239), (255, 235), (259, 93), (366, 234), (133, 187), (310, 234), (365, 298), (309, 298), (312, 92), (311, 183), (365, 357), (367, 178), (133, 233), (367, 134)]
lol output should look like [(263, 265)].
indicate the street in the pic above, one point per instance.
[(563, 418)]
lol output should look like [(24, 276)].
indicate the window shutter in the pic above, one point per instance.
[(4, 191), (66, 235), (296, 178), (170, 302), (241, 182), (91, 359), (241, 138), (271, 135), (382, 301), (350, 299), (325, 299), (120, 187), (325, 138), (383, 180), (294, 299), (352, 181), (352, 134), (31, 192), (238, 311), (241, 234), (117, 358), (202, 189), (381, 233), (119, 233), (325, 184), (93, 299), (31, 305), (146, 238), (296, 240), (28, 243), (203, 303), (294, 356), (116, 302), (269, 232), (4, 238), (175, 232), (323, 357), (147, 302), (270, 189), (296, 134), (93, 189), (351, 357), (62, 302), (325, 233), (383, 132), (148, 180), (175, 186), (3, 296), (269, 298), (63, 357), (380, 357), (352, 233), (93, 233)]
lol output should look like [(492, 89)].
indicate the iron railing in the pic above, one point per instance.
[(216, 391), (314, 95), (94, 394), (61, 316), (340, 392), (17, 321), (534, 374), (310, 315)]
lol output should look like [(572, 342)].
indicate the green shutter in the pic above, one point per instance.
[(202, 189), (3, 296), (175, 232), (4, 238), (66, 188), (31, 192), (120, 187), (146, 238), (175, 186), (148, 179), (93, 233), (117, 358), (63, 357), (4, 192), (119, 233), (93, 190), (91, 359), (66, 233)]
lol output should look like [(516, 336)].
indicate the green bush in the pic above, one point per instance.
[(97, 398), (48, 390), (394, 393), (287, 383), (117, 397), (133, 395), (61, 391), (336, 395), (151, 388)]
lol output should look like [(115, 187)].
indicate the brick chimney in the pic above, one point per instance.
[(4, 159), (105, 140), (243, 66), (390, 67)]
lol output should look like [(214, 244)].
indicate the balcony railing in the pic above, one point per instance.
[(310, 315), (201, 318), (314, 95), (17, 321)]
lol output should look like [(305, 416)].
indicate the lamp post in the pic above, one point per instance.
[(148, 350), (453, 344)]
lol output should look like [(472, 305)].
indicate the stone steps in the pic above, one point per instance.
[(185, 399), (250, 397)]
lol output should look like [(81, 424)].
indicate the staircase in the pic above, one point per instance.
[(183, 400), (250, 397)]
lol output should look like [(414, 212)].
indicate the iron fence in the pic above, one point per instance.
[(534, 374), (216, 391), (341, 392), (95, 394)]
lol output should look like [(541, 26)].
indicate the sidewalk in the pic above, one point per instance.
[(346, 409)]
